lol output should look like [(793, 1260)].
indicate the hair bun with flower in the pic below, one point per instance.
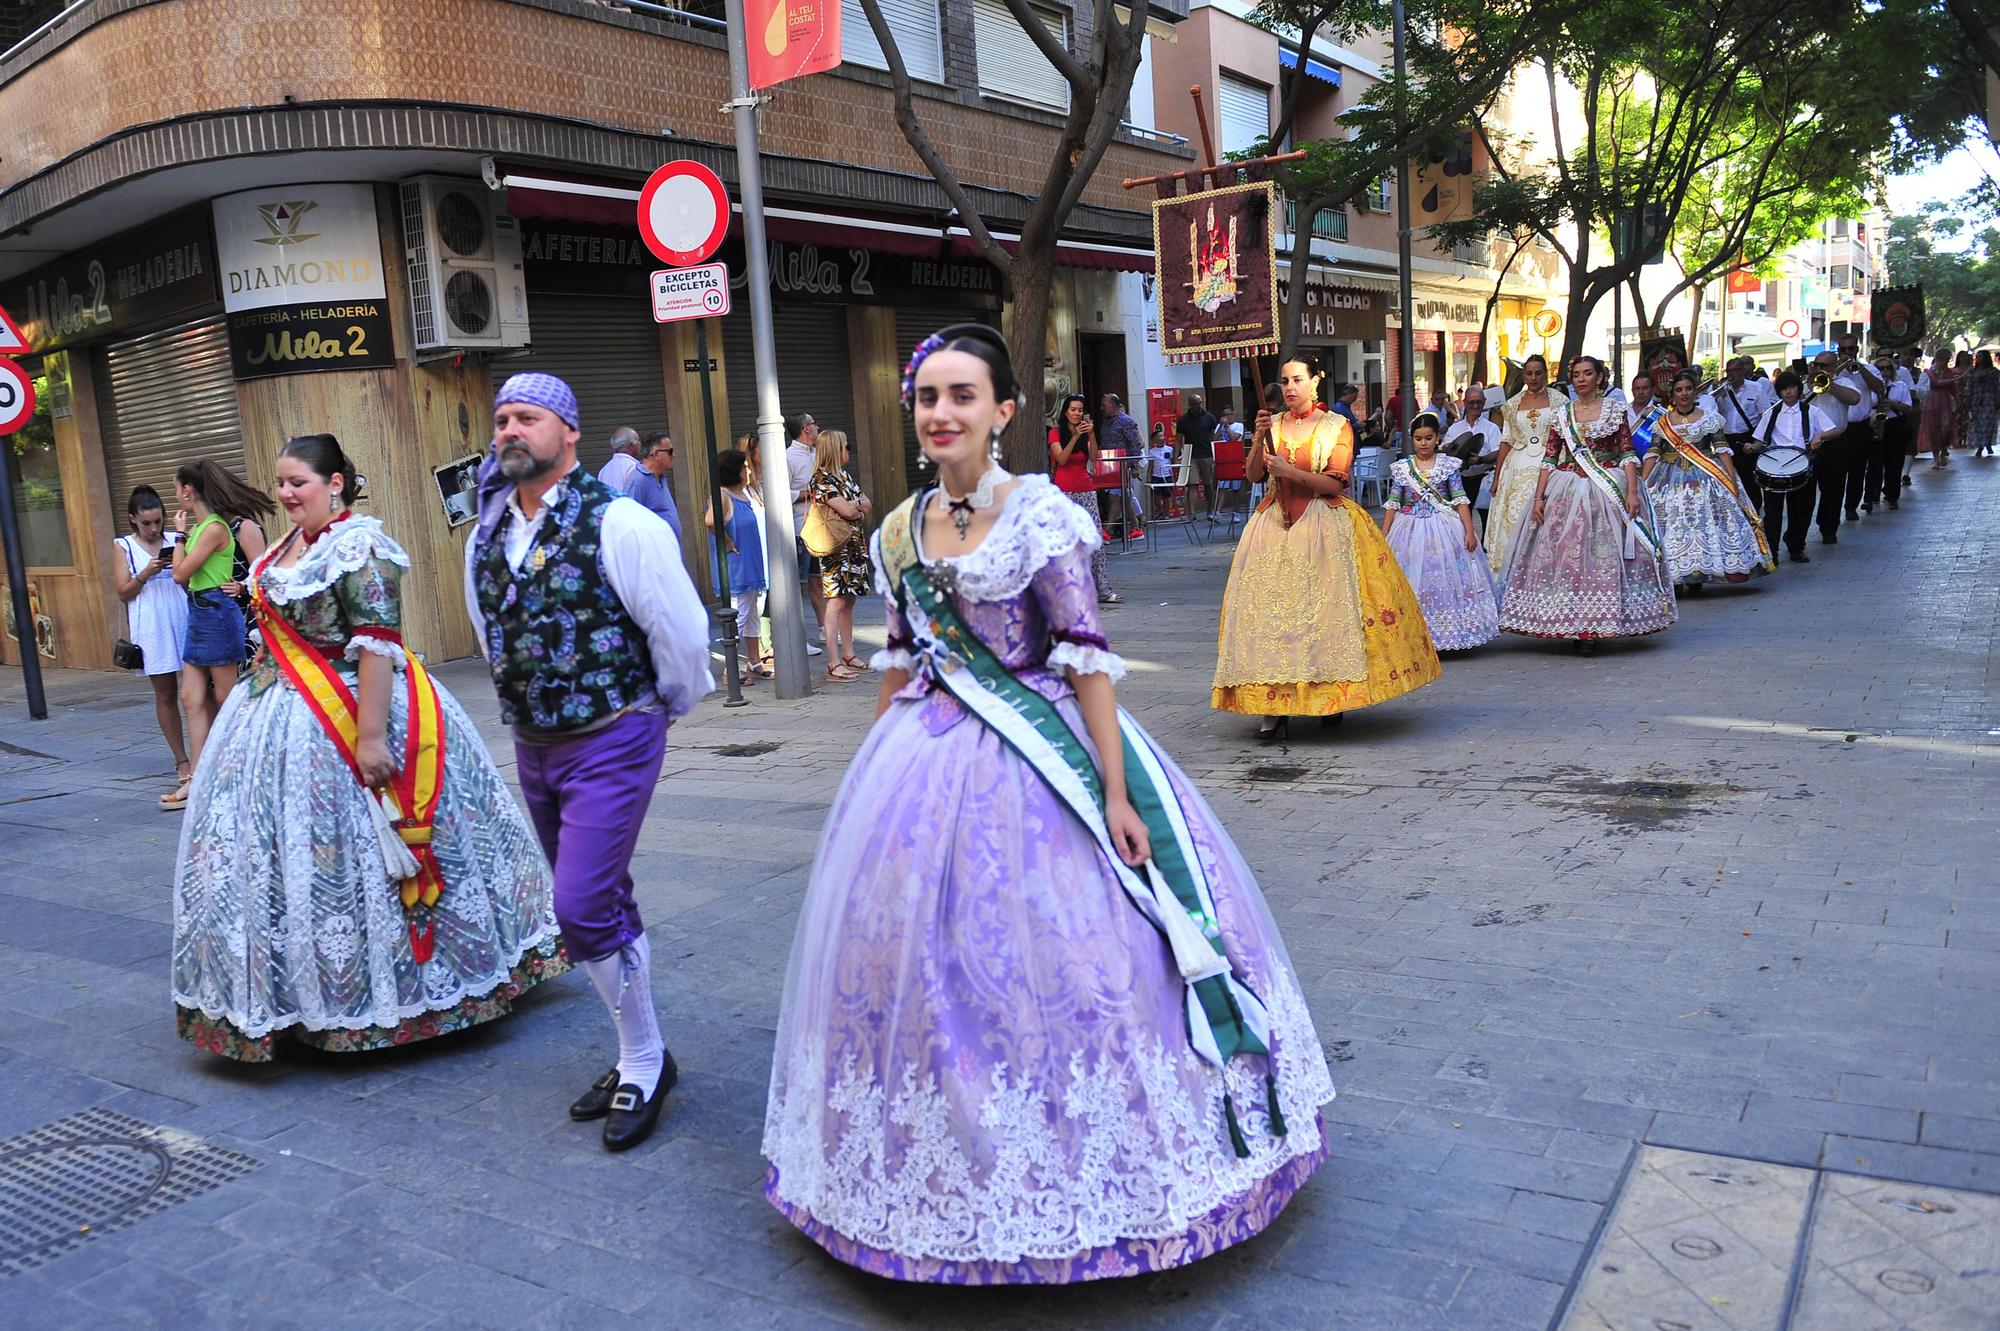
[(917, 358)]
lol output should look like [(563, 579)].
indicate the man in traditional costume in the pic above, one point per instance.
[(597, 642)]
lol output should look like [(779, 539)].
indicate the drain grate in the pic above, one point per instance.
[(97, 1171)]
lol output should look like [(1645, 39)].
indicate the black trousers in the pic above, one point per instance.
[(1746, 468), (1831, 464), (1884, 472), (1861, 445), (1787, 516)]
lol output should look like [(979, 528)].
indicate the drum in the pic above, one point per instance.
[(1782, 470)]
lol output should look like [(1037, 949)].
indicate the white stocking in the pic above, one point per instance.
[(624, 980)]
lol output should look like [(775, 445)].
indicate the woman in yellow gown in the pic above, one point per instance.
[(1318, 618)]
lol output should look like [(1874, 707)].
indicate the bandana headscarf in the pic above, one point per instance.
[(541, 390)]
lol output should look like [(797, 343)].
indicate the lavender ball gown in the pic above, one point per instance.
[(983, 1072)]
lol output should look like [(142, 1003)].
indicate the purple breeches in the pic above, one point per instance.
[(587, 798)]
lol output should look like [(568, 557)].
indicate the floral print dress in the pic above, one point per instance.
[(845, 571), (285, 921)]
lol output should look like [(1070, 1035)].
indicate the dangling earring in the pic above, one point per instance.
[(993, 448), (923, 459)]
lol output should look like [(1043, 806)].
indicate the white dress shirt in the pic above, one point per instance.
[(642, 564), (799, 471), (1785, 432), (1863, 409), (619, 471), (1741, 408), (1486, 428)]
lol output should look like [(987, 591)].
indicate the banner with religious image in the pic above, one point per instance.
[(1898, 318), (1216, 270), (1663, 354)]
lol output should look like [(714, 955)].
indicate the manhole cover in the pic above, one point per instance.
[(96, 1171)]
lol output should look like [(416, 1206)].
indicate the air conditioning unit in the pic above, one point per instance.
[(467, 289)]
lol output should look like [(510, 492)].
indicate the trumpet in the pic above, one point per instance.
[(1822, 380)]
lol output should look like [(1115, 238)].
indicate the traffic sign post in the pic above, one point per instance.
[(683, 217), (17, 408)]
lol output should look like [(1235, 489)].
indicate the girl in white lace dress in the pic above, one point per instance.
[(286, 922), (987, 1068)]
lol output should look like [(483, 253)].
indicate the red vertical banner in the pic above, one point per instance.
[(790, 38)]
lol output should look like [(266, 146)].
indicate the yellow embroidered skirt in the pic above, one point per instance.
[(1318, 618)]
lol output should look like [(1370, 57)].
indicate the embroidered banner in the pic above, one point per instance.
[(1216, 269)]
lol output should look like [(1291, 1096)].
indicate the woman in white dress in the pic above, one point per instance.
[(1526, 420), (156, 612)]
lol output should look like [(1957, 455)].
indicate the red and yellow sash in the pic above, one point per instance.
[(414, 790), (1664, 427)]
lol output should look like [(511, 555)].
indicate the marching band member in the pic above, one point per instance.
[(1791, 423)]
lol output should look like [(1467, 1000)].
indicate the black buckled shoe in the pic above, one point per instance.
[(595, 1103), (633, 1117)]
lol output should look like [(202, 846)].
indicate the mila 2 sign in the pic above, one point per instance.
[(302, 282)]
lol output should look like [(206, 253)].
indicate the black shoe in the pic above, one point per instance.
[(1276, 734), (595, 1103), (1829, 539), (1865, 508), (1586, 647), (633, 1117), (1852, 516), (1801, 557), (1329, 722), (1893, 506)]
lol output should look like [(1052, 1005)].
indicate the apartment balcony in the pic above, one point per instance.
[(1330, 224)]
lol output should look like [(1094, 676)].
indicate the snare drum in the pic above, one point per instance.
[(1781, 470)]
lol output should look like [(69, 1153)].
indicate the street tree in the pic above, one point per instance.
[(1460, 54), (1099, 75), (1961, 283), (1717, 129)]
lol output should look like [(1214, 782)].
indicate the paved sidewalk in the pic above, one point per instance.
[(1730, 889)]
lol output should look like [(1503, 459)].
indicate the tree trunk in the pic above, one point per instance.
[(1025, 446)]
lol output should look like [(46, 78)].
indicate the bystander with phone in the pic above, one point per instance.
[(156, 612)]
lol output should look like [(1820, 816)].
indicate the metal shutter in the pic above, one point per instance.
[(1010, 64), (166, 399), (1245, 109), (912, 327), (813, 371), (608, 349), (916, 26)]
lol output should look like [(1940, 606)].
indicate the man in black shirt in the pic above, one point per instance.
[(1197, 432)]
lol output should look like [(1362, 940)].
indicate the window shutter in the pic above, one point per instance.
[(1010, 64), (164, 399), (1246, 112), (916, 26)]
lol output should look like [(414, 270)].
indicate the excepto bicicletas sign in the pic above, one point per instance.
[(302, 280)]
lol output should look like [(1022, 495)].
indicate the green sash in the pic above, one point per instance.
[(1224, 1017), (1427, 487)]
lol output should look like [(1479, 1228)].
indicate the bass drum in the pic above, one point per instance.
[(1782, 470)]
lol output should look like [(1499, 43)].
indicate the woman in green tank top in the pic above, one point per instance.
[(212, 650)]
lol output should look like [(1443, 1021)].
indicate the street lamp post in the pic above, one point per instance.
[(1405, 338), (788, 632)]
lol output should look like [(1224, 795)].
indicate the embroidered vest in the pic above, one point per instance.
[(563, 650)]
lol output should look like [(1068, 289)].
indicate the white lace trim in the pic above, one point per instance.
[(893, 658), (1610, 416), (381, 647), (1037, 523), (1135, 1175), (1087, 660), (1700, 428), (353, 543)]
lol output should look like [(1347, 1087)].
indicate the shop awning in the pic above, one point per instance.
[(549, 196), (1325, 73)]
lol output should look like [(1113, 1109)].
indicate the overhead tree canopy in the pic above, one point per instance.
[(1961, 284)]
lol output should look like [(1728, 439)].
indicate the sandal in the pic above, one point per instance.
[(842, 673), (762, 670), (853, 663), (178, 798)]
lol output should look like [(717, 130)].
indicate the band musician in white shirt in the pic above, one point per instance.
[(1791, 428), (1741, 402)]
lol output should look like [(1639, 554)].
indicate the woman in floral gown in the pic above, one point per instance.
[(1318, 618), (1428, 521), (286, 919), (1588, 562), (1705, 518), (988, 1069), (1526, 417)]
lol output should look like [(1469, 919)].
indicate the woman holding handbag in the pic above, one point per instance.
[(836, 535), (156, 614)]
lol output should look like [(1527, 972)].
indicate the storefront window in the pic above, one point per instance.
[(37, 483)]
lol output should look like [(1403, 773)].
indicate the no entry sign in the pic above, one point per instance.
[(17, 397), (683, 213), (690, 293)]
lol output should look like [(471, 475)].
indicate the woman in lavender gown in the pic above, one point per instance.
[(1038, 1025), (1428, 521)]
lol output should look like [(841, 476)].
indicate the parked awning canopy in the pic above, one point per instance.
[(1325, 73), (554, 197)]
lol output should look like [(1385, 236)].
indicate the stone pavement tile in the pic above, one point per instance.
[(1495, 1133), (1559, 1178), (1590, 1148), (1502, 1299), (1748, 1141), (1562, 1217), (1913, 1164), (1896, 1125), (481, 1295), (1501, 1246), (1899, 1093), (1961, 1134)]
